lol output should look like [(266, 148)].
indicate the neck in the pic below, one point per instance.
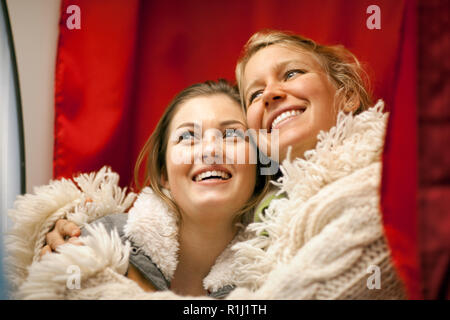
[(200, 246)]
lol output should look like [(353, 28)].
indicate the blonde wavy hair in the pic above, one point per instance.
[(153, 154), (342, 67)]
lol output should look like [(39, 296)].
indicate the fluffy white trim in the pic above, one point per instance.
[(83, 200), (152, 226), (355, 142), (104, 194), (51, 277), (221, 273)]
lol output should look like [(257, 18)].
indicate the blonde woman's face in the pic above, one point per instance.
[(287, 89), (208, 171)]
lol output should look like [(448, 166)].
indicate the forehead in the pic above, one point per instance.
[(216, 107), (270, 58)]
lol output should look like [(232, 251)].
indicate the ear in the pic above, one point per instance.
[(352, 103)]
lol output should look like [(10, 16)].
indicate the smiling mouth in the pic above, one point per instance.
[(285, 116), (212, 175)]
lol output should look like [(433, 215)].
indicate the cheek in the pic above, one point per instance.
[(323, 89), (253, 177), (314, 86), (177, 167), (255, 116), (171, 175), (178, 186), (180, 154), (248, 179)]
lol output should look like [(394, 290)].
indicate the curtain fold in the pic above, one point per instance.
[(434, 154), (399, 180)]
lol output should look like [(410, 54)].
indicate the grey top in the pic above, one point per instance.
[(143, 262)]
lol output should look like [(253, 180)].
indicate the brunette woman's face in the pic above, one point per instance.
[(208, 171), (287, 89)]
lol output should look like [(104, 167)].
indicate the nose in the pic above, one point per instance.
[(273, 94), (212, 148)]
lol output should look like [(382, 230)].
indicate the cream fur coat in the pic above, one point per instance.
[(323, 241)]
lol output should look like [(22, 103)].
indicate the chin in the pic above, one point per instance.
[(214, 201)]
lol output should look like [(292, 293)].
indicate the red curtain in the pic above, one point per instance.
[(434, 153), (399, 181), (116, 74)]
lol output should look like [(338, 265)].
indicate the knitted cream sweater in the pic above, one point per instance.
[(323, 241)]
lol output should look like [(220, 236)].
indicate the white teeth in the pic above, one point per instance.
[(284, 115), (207, 174)]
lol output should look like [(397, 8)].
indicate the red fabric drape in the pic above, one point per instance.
[(434, 153), (399, 182), (116, 74), (94, 88)]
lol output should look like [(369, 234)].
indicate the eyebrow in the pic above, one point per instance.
[(222, 124), (278, 66), (228, 122), (188, 124)]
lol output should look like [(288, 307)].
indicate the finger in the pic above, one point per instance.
[(54, 239), (67, 229), (46, 249), (75, 241)]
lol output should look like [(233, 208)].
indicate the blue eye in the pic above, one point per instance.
[(186, 135), (291, 73), (233, 133), (255, 95)]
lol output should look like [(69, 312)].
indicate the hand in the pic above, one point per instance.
[(63, 232)]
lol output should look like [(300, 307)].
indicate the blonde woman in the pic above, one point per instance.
[(322, 238)]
